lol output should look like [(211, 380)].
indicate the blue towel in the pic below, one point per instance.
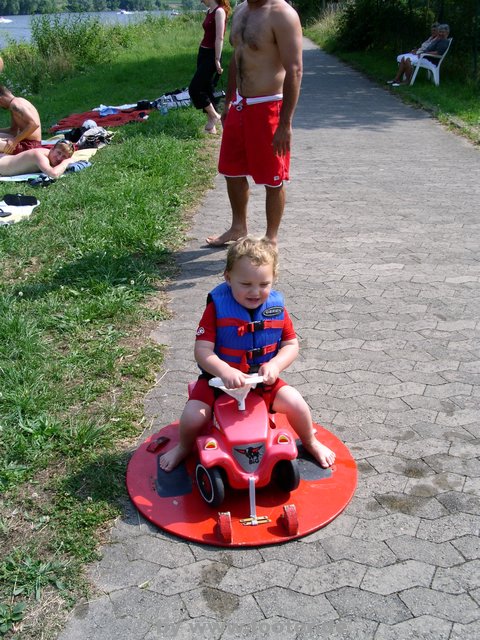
[(78, 166)]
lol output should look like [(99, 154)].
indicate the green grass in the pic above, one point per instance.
[(455, 102), (81, 286)]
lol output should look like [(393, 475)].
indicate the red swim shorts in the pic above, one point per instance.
[(247, 144), (203, 392), (26, 145)]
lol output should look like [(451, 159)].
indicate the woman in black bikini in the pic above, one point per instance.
[(209, 65)]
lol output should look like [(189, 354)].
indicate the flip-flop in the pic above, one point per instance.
[(19, 200), (5, 214)]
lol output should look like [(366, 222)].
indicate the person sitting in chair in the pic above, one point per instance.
[(431, 53), (52, 162)]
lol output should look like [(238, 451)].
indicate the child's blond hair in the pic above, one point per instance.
[(259, 251)]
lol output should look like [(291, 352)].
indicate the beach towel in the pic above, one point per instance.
[(113, 120)]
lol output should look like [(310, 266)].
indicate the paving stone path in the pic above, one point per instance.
[(380, 267)]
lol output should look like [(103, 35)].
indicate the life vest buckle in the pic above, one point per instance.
[(255, 353), (257, 325)]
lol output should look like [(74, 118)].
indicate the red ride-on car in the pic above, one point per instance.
[(245, 448)]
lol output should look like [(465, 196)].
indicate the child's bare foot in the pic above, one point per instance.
[(322, 454), (172, 458)]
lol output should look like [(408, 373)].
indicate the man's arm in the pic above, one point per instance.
[(288, 35), (30, 126), (231, 90)]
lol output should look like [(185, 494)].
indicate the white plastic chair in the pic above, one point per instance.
[(432, 69)]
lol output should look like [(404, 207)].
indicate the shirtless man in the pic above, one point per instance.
[(263, 88), (25, 131), (52, 162)]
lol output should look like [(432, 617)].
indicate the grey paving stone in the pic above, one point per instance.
[(158, 551), (465, 450), (460, 418), (411, 548), (319, 580), (349, 601), (435, 485), (367, 448), (268, 574), (380, 483), (344, 629), (402, 466), (469, 546), (464, 631), (421, 628), (449, 527), (173, 581), (115, 571), (428, 508), (344, 525), (295, 606), (445, 463), (464, 502), (366, 508), (219, 605), (417, 448), (458, 579), (386, 527), (397, 577), (455, 608), (234, 557), (187, 630), (375, 554), (301, 553)]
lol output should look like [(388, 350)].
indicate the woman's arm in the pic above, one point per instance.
[(220, 18)]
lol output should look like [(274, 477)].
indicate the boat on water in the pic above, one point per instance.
[(4, 20), (174, 12), (124, 12)]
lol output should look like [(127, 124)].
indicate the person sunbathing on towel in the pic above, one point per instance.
[(52, 162), (25, 131)]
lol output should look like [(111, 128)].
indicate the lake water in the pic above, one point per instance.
[(19, 27)]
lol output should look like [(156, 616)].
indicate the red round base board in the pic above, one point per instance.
[(318, 500)]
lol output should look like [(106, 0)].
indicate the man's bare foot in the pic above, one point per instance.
[(172, 458), (273, 241), (224, 238), (322, 454)]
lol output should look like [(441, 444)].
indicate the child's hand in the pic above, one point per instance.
[(234, 379), (270, 372)]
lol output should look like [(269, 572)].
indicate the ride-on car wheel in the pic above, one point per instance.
[(287, 475), (210, 484)]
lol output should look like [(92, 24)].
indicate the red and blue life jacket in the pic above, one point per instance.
[(247, 338)]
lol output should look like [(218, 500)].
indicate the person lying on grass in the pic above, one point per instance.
[(52, 162)]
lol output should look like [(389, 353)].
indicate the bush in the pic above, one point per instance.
[(59, 48)]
